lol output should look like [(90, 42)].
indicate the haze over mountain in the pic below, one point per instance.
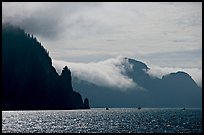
[(29, 79), (89, 37), (125, 82)]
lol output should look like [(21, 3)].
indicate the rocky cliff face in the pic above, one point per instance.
[(29, 79)]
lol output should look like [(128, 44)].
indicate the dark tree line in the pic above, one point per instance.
[(29, 79)]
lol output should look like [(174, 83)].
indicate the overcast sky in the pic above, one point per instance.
[(168, 35)]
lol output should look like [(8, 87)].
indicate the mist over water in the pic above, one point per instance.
[(115, 120)]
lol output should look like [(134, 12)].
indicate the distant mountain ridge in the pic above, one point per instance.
[(172, 90), (30, 82)]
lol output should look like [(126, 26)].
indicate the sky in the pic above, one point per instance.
[(166, 36)]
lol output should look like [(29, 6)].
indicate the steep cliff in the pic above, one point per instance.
[(29, 79)]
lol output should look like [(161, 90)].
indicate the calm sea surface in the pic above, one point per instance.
[(115, 120)]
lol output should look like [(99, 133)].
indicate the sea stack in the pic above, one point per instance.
[(86, 103)]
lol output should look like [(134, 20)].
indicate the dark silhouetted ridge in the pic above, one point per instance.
[(29, 79)]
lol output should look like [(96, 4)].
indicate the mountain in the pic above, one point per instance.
[(172, 90), (29, 79)]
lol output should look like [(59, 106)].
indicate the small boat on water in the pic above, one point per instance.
[(107, 108)]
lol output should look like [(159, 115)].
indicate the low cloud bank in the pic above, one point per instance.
[(157, 71), (112, 72), (108, 73)]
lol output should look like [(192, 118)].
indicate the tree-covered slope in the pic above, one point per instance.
[(29, 79)]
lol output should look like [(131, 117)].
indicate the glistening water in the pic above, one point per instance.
[(114, 120)]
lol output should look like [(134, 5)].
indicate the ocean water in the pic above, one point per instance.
[(115, 120)]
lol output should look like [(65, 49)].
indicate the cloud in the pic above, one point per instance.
[(45, 19), (157, 71), (112, 72), (108, 73), (87, 32)]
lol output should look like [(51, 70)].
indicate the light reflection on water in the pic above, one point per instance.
[(115, 120)]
